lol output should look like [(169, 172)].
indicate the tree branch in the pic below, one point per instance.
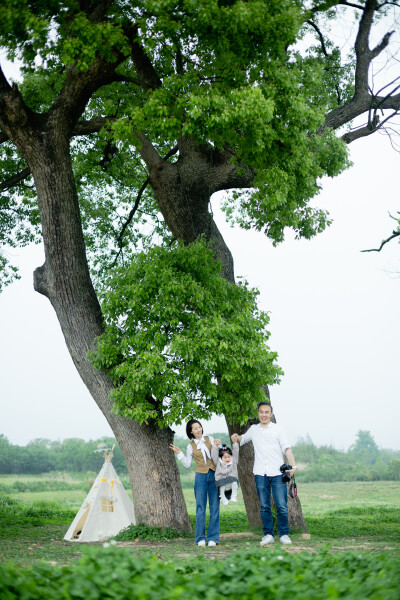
[(321, 37), (385, 102), (363, 101), (179, 61), (98, 12), (142, 63), (373, 125), (9, 183), (129, 219), (79, 87), (5, 87), (81, 128), (351, 136), (394, 235), (171, 152), (92, 125), (352, 5), (325, 52), (228, 175), (128, 79), (361, 46), (328, 5), (383, 44), (357, 106), (148, 152)]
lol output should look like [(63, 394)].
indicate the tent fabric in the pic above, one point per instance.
[(106, 510)]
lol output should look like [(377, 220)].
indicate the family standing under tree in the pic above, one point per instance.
[(216, 469)]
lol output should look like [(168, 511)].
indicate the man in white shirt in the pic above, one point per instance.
[(270, 444)]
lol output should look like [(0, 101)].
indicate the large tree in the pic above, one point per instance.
[(130, 115)]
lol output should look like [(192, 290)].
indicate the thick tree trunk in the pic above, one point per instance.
[(64, 279), (296, 518), (246, 477)]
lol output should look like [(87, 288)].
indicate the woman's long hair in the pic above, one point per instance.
[(189, 428)]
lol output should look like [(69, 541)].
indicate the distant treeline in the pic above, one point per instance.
[(42, 456), (364, 461)]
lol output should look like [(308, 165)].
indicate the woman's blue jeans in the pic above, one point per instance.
[(264, 486), (204, 484)]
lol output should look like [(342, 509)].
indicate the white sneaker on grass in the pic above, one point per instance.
[(267, 539), (285, 539), (212, 543), (224, 501), (201, 543)]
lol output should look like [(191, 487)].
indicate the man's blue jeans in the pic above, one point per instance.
[(264, 486), (204, 484)]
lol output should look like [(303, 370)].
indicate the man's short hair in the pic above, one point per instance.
[(262, 403)]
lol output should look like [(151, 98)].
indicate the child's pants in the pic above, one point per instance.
[(224, 488)]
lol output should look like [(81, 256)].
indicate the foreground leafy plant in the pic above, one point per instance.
[(116, 573), (180, 340)]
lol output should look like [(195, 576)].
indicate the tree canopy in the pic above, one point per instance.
[(245, 81)]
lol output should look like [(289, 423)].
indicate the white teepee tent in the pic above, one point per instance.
[(107, 508)]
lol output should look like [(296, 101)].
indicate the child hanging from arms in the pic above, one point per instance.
[(226, 474)]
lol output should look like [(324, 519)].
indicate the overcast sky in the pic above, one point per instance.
[(334, 321)]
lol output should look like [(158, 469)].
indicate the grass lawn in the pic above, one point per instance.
[(362, 516), (317, 498)]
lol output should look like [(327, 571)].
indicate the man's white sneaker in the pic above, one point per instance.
[(285, 539), (224, 501), (267, 539), (212, 543), (201, 543)]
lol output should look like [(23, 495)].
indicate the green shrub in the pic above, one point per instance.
[(271, 574), (6, 501), (147, 532), (16, 516)]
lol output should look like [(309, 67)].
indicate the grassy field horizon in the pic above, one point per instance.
[(70, 489), (362, 516)]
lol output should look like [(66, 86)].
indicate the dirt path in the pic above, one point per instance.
[(184, 548)]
